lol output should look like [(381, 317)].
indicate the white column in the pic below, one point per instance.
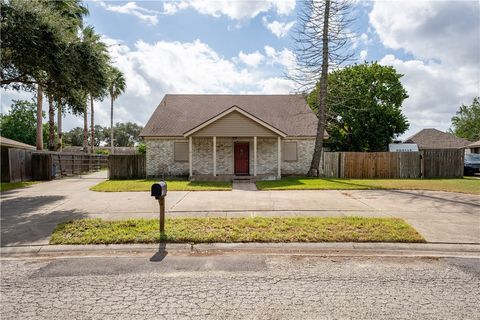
[(214, 156), (279, 161), (255, 156), (190, 156)]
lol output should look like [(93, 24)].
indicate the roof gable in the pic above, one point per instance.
[(234, 122), (178, 114), (436, 139)]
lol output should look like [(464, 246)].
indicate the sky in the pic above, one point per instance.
[(246, 47)]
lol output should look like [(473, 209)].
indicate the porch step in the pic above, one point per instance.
[(244, 179)]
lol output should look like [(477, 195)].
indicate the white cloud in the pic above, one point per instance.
[(442, 30), (285, 58), (363, 55), (251, 59), (444, 39), (277, 86), (236, 10), (280, 29), (131, 8)]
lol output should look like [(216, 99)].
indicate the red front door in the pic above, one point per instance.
[(241, 158)]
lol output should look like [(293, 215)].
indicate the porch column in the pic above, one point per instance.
[(214, 156), (279, 160), (255, 156), (190, 156)]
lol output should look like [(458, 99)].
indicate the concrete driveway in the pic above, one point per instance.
[(29, 215)]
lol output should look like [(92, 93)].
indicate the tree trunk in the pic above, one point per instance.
[(112, 150), (321, 97), (59, 123), (39, 117), (92, 126), (85, 128), (51, 124)]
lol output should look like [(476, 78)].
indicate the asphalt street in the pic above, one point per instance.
[(240, 286)]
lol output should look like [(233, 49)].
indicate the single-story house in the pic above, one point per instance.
[(435, 139), (15, 160), (225, 136), (474, 147)]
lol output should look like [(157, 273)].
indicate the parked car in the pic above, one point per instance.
[(471, 164)]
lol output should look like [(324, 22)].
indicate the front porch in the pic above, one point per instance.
[(234, 158)]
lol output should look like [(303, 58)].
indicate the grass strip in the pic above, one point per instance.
[(6, 186), (227, 230), (465, 185), (172, 185)]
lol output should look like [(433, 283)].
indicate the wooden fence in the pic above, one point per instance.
[(127, 166), (23, 165), (447, 163)]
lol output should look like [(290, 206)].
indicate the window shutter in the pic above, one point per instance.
[(289, 151), (180, 150)]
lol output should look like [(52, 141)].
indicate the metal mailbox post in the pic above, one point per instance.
[(159, 191)]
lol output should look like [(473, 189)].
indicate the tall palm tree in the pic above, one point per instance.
[(115, 88)]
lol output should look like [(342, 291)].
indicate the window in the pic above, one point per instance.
[(289, 151), (180, 150)]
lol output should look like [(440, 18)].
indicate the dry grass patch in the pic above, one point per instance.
[(206, 230)]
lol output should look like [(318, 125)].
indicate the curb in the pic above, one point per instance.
[(318, 249)]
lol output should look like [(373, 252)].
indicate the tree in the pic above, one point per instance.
[(116, 86), (34, 37), (322, 40), (20, 122), (126, 134), (74, 137), (365, 107), (466, 122)]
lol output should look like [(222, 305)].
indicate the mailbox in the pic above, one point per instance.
[(159, 189)]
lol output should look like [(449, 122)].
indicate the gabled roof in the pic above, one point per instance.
[(476, 144), (179, 113), (228, 111), (436, 139), (5, 142)]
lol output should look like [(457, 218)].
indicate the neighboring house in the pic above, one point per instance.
[(224, 136), (15, 160), (436, 139), (474, 147)]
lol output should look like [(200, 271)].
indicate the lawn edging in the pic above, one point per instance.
[(465, 185), (141, 185), (236, 230)]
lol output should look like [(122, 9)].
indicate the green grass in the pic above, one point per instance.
[(6, 186), (172, 185), (465, 185), (207, 230)]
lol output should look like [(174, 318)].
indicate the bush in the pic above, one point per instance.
[(142, 148)]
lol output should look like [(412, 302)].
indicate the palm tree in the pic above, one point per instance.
[(115, 87)]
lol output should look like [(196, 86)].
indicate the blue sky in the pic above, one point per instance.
[(202, 46)]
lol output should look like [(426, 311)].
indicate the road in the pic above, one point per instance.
[(240, 286)]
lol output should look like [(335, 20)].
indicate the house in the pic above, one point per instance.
[(474, 147), (15, 160), (436, 139), (225, 136)]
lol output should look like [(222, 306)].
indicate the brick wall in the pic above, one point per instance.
[(160, 157)]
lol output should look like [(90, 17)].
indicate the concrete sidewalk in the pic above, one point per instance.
[(29, 215)]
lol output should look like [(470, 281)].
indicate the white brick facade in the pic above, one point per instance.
[(160, 157)]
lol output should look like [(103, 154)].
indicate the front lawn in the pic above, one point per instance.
[(465, 185), (172, 185), (5, 186), (201, 230)]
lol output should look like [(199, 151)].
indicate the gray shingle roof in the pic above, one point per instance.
[(476, 144), (9, 143), (179, 113), (436, 139)]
